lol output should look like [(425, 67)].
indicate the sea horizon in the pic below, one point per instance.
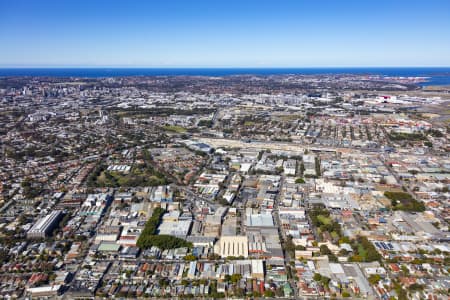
[(435, 75)]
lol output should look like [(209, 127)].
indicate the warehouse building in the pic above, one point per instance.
[(232, 246), (44, 226), (45, 291), (259, 221), (178, 229)]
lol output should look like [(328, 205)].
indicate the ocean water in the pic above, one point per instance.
[(437, 75)]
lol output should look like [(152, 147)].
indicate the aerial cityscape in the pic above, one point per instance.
[(220, 180)]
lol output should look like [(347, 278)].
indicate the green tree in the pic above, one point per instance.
[(148, 237), (404, 201), (269, 294), (374, 279), (345, 294), (235, 278), (299, 180), (190, 257)]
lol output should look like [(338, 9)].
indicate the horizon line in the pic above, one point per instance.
[(211, 67)]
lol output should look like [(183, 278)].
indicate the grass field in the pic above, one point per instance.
[(175, 128), (290, 117), (404, 201), (361, 251), (324, 220), (140, 175)]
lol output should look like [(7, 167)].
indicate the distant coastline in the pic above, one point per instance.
[(436, 75)]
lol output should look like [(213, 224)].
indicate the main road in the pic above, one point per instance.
[(277, 221)]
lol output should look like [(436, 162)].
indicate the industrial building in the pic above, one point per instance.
[(259, 221), (178, 228), (44, 226), (232, 246), (45, 291)]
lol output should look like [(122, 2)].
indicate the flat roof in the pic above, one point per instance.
[(260, 220), (109, 247)]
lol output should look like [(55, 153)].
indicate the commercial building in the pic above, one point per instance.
[(290, 167)]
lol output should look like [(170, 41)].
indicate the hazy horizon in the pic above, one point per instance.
[(221, 67)]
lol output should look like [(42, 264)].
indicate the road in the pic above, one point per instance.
[(87, 244), (194, 195), (283, 237)]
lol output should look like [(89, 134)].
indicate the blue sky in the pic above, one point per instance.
[(231, 33)]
